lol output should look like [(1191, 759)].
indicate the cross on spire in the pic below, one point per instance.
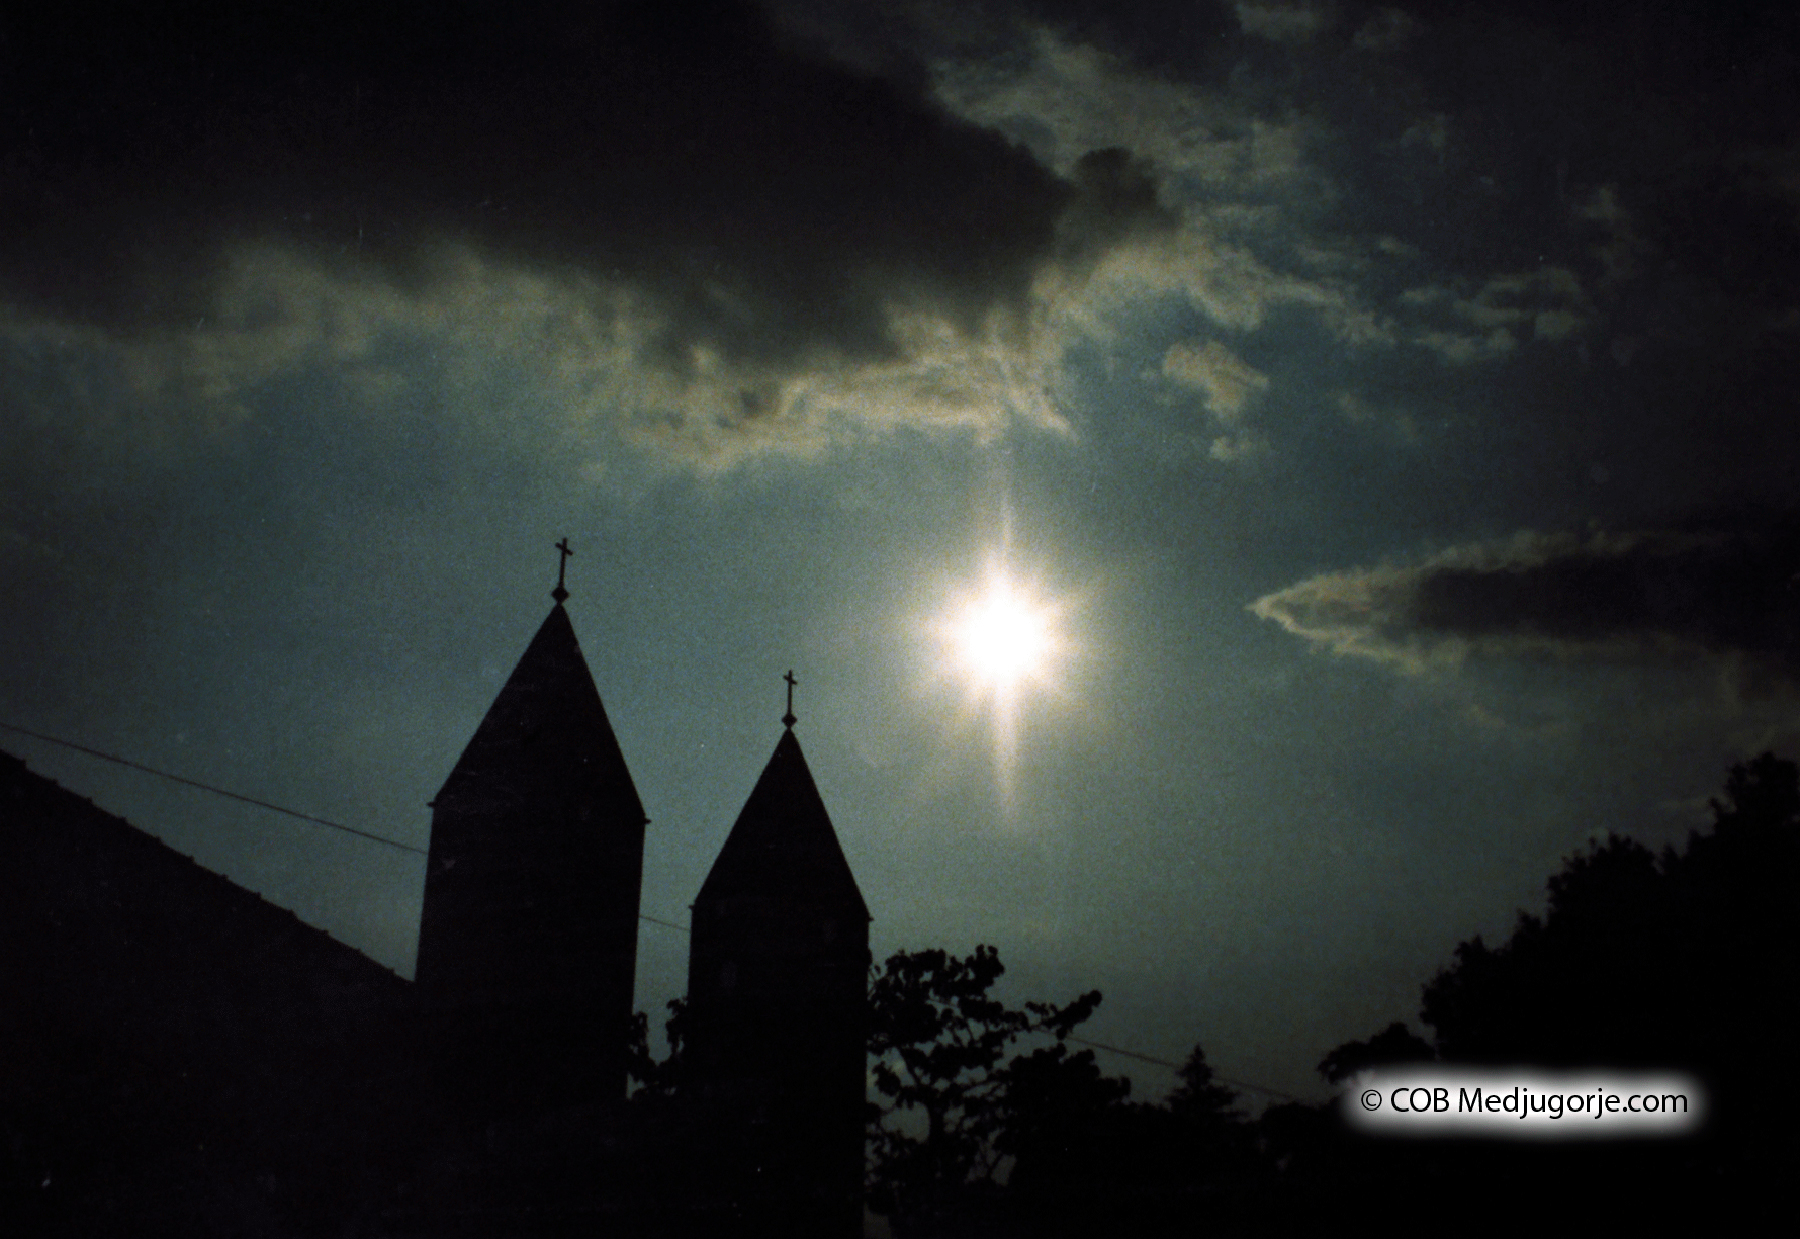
[(559, 593), (788, 719)]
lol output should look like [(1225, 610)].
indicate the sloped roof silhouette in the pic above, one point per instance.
[(546, 722), (126, 911), (783, 845), (170, 1036)]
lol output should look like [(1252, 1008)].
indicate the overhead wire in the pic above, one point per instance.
[(1163, 1062), (217, 791), (250, 800), (404, 847)]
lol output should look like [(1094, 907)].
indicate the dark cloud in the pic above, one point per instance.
[(1480, 131), (1543, 106), (1727, 588), (762, 204)]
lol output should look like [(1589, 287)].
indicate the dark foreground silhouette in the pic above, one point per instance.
[(1683, 961), (183, 1058)]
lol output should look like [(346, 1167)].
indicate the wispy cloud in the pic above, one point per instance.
[(1727, 590), (1283, 21), (1386, 30), (675, 221), (1224, 379), (1464, 327)]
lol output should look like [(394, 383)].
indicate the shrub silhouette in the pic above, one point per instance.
[(1680, 961)]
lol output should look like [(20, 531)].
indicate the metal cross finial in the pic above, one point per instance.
[(559, 593), (788, 719)]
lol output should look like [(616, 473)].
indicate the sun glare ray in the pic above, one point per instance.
[(1003, 640)]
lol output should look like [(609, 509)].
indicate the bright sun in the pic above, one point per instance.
[(1001, 640), (1003, 637)]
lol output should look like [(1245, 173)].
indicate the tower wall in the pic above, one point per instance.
[(778, 1009), (778, 1018), (528, 937)]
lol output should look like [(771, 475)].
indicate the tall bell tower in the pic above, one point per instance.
[(528, 938)]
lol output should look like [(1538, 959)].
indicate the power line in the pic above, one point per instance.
[(217, 791), (261, 804), (1113, 1049), (1163, 1062), (404, 847)]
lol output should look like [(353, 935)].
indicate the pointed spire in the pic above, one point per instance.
[(536, 841), (548, 702), (788, 720), (783, 846), (559, 593)]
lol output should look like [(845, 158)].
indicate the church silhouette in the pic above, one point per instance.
[(182, 1057)]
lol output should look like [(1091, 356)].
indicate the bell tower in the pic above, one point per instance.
[(528, 937), (778, 1005)]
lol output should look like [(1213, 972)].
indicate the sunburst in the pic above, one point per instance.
[(1003, 640)]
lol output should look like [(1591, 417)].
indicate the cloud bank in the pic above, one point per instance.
[(676, 212), (1727, 590), (715, 228)]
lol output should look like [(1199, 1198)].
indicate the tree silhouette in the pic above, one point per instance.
[(956, 1110), (970, 1134), (979, 1139), (1197, 1098), (657, 1083), (1680, 961), (1641, 960), (1092, 1162), (1392, 1045), (1056, 1110)]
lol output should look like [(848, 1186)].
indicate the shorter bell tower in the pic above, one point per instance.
[(778, 1007)]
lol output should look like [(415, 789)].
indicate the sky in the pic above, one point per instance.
[(1386, 414)]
